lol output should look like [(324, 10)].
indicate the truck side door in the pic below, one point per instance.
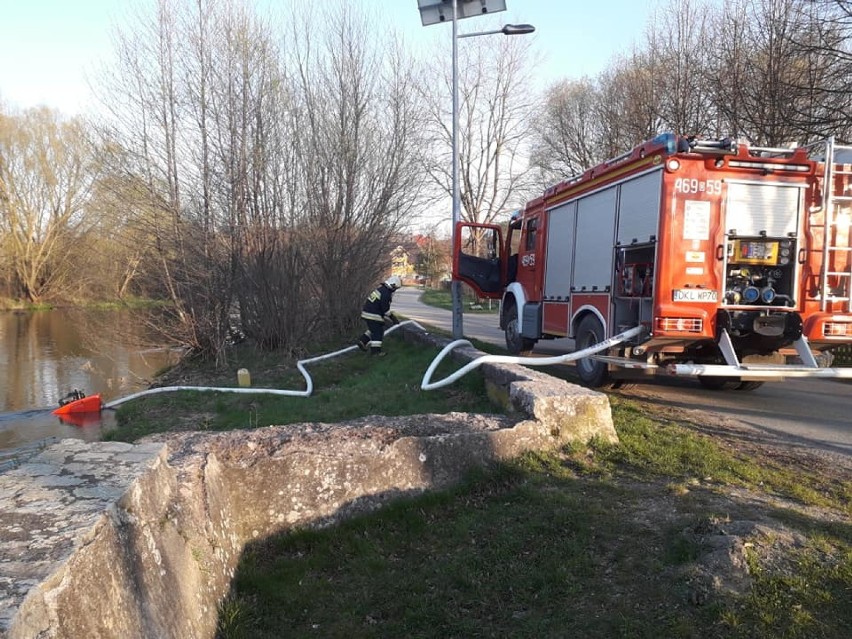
[(479, 258)]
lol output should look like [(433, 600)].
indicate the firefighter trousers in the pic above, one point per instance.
[(372, 338)]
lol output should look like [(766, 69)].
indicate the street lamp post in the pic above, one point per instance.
[(432, 12), (456, 285)]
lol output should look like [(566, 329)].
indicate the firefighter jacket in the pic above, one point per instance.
[(378, 304)]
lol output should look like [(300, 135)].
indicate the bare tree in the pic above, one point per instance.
[(823, 87), (495, 107), (769, 82), (628, 108), (770, 71), (434, 257), (124, 254), (353, 124), (660, 86), (46, 176), (567, 135), (167, 112), (273, 176), (678, 41)]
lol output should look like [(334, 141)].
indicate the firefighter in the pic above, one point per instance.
[(376, 312)]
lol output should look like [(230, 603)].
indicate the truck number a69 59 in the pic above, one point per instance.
[(694, 185)]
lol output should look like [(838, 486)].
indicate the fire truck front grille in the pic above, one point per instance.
[(837, 329), (680, 324)]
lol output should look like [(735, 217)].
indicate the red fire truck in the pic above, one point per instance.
[(735, 259)]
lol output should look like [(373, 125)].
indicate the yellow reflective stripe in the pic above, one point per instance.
[(372, 316), (375, 343)]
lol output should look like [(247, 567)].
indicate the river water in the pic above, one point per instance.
[(46, 354)]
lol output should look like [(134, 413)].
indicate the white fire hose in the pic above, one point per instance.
[(510, 359), (424, 385), (256, 391)]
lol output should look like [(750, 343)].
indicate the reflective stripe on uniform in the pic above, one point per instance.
[(373, 317), (375, 344)]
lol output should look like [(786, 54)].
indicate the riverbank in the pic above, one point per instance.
[(352, 385), (44, 355), (168, 546), (9, 304), (685, 528)]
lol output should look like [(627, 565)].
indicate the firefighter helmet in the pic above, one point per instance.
[(393, 282)]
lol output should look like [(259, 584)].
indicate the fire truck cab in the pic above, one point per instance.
[(735, 259)]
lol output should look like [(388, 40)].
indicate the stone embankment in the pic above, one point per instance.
[(110, 540)]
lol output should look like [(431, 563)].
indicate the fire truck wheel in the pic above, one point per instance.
[(516, 343), (591, 372), (719, 383)]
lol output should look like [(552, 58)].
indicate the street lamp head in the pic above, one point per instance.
[(517, 29), (509, 29)]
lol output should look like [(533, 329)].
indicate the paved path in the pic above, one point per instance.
[(482, 326)]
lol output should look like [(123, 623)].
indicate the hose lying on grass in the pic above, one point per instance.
[(511, 359), (426, 384), (300, 365)]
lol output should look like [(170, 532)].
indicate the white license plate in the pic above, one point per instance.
[(694, 295)]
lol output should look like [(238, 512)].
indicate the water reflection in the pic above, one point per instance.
[(23, 427), (46, 354)]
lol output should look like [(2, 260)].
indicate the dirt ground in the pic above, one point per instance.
[(736, 436), (751, 520)]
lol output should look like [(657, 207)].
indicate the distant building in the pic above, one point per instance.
[(421, 259), (401, 263)]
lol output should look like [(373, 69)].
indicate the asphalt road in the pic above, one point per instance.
[(812, 414)]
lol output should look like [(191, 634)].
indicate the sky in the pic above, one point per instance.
[(49, 49)]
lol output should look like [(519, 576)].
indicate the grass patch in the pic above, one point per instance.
[(470, 303), (512, 553), (586, 542), (811, 600), (589, 541), (352, 385), (9, 304), (651, 446)]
